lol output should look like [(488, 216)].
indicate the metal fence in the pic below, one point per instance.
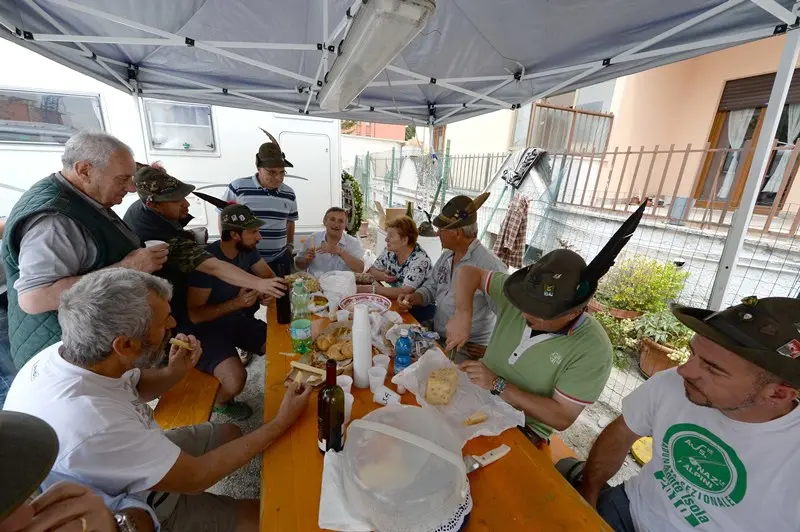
[(392, 178), (699, 187)]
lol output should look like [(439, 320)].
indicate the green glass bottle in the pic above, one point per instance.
[(330, 412)]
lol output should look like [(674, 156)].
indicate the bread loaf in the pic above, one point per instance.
[(442, 385)]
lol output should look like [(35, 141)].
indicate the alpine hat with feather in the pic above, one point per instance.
[(459, 212), (270, 155), (561, 282)]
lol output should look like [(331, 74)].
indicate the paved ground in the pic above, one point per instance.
[(246, 482)]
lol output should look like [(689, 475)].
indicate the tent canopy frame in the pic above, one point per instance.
[(480, 100)]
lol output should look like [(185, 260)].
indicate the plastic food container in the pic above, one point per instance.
[(403, 471)]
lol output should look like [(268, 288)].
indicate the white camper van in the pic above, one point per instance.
[(41, 102)]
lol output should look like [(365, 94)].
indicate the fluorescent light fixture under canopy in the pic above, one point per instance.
[(380, 30)]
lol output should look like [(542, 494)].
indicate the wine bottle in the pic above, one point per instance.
[(330, 412)]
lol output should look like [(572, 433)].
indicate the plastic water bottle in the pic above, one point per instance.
[(402, 351), (300, 328)]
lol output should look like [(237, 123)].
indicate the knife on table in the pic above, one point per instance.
[(474, 463)]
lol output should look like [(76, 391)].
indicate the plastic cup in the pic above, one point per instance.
[(377, 375), (333, 307), (342, 315), (384, 396), (153, 243), (345, 382), (348, 407), (380, 361)]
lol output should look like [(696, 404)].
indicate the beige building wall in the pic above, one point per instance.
[(676, 104), (489, 133)]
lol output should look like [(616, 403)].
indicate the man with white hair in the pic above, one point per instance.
[(62, 228), (458, 233), (93, 388)]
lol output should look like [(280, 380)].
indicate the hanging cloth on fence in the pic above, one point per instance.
[(510, 243)]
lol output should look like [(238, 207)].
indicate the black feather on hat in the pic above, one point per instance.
[(561, 282)]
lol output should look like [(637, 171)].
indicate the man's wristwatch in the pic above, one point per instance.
[(498, 385), (125, 523)]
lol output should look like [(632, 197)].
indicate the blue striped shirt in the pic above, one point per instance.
[(275, 207)]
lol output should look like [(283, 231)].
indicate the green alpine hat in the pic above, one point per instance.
[(270, 155), (236, 216), (561, 282), (459, 212), (765, 332), (548, 288), (156, 185), (28, 450)]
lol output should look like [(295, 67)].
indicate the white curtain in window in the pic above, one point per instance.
[(737, 128), (793, 131)]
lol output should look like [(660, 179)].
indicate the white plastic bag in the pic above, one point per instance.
[(380, 324), (337, 285), (468, 399)]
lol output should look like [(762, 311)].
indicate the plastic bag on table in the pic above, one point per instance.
[(467, 400), (337, 286), (380, 324)]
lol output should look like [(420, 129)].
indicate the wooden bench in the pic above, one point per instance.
[(187, 403)]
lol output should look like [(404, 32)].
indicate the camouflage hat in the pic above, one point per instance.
[(765, 332), (28, 450), (238, 216), (156, 185), (459, 212), (270, 155)]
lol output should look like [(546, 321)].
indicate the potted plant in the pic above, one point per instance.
[(623, 336), (638, 285), (664, 342)]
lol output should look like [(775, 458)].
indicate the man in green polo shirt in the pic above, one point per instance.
[(547, 357)]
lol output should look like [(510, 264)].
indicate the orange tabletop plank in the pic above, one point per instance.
[(521, 491)]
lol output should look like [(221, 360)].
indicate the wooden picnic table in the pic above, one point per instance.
[(522, 491)]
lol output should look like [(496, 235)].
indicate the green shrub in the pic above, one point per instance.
[(357, 211), (664, 328), (622, 334), (641, 284)]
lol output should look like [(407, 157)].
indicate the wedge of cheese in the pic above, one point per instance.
[(442, 385), (476, 417)]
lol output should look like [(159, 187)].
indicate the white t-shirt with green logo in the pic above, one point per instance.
[(709, 472)]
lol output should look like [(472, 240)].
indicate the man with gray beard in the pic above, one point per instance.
[(93, 388)]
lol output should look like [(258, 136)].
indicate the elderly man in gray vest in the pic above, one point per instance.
[(63, 228)]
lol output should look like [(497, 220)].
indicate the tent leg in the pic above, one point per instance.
[(743, 215), (137, 101)]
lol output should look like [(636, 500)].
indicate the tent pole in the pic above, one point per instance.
[(447, 85), (391, 180), (776, 10), (137, 101), (761, 157)]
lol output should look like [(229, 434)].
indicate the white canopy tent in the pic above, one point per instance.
[(473, 56)]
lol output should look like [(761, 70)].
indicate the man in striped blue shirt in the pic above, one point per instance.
[(273, 201)]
